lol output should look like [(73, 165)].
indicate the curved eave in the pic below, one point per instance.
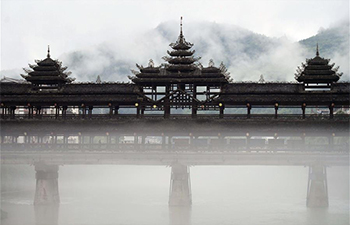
[(150, 70), (181, 67), (45, 68), (203, 81), (318, 79), (181, 46), (182, 60), (180, 75), (318, 72), (181, 53), (44, 73), (211, 70)]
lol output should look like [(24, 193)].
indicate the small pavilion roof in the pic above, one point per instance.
[(317, 70)]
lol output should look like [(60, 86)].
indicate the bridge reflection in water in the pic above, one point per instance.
[(179, 144)]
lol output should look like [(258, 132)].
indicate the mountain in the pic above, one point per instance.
[(246, 54), (332, 41)]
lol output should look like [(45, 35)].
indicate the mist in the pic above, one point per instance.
[(125, 194), (247, 55)]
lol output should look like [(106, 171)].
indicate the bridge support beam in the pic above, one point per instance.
[(46, 192), (317, 191), (180, 186)]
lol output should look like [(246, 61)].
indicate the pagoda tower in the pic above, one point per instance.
[(47, 73), (181, 82), (317, 72), (181, 57)]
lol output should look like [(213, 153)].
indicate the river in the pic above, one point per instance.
[(138, 195)]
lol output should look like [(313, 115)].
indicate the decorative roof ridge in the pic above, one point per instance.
[(102, 83), (48, 51), (181, 39)]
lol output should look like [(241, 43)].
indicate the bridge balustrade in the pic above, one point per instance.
[(179, 145), (174, 116)]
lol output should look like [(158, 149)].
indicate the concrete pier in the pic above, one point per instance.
[(46, 192), (317, 193), (180, 186)]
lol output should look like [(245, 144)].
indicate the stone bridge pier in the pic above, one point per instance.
[(317, 191), (180, 186), (46, 192)]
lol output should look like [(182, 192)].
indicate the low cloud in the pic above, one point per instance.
[(246, 54)]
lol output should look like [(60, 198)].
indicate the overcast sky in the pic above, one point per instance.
[(27, 27)]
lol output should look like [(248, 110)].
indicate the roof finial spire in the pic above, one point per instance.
[(317, 52), (181, 26), (48, 51)]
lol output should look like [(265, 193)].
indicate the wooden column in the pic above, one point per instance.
[(38, 111), (90, 111), (2, 111), (57, 109), (167, 102), (249, 107), (116, 110), (276, 110), (83, 110), (13, 112), (110, 110), (142, 111), (64, 111), (138, 108), (222, 108), (194, 111), (194, 103), (331, 111), (303, 107)]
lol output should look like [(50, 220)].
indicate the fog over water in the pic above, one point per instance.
[(138, 195), (113, 186)]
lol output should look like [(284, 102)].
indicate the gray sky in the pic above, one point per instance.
[(27, 27)]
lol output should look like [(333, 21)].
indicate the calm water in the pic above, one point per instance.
[(138, 195)]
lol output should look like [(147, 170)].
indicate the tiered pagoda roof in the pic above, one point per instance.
[(317, 70), (181, 67), (47, 72)]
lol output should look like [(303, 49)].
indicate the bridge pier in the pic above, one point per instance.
[(46, 192), (317, 191), (180, 186)]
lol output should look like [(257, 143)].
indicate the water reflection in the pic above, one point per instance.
[(180, 215), (46, 214)]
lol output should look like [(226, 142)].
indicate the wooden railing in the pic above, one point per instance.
[(184, 116), (174, 147)]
